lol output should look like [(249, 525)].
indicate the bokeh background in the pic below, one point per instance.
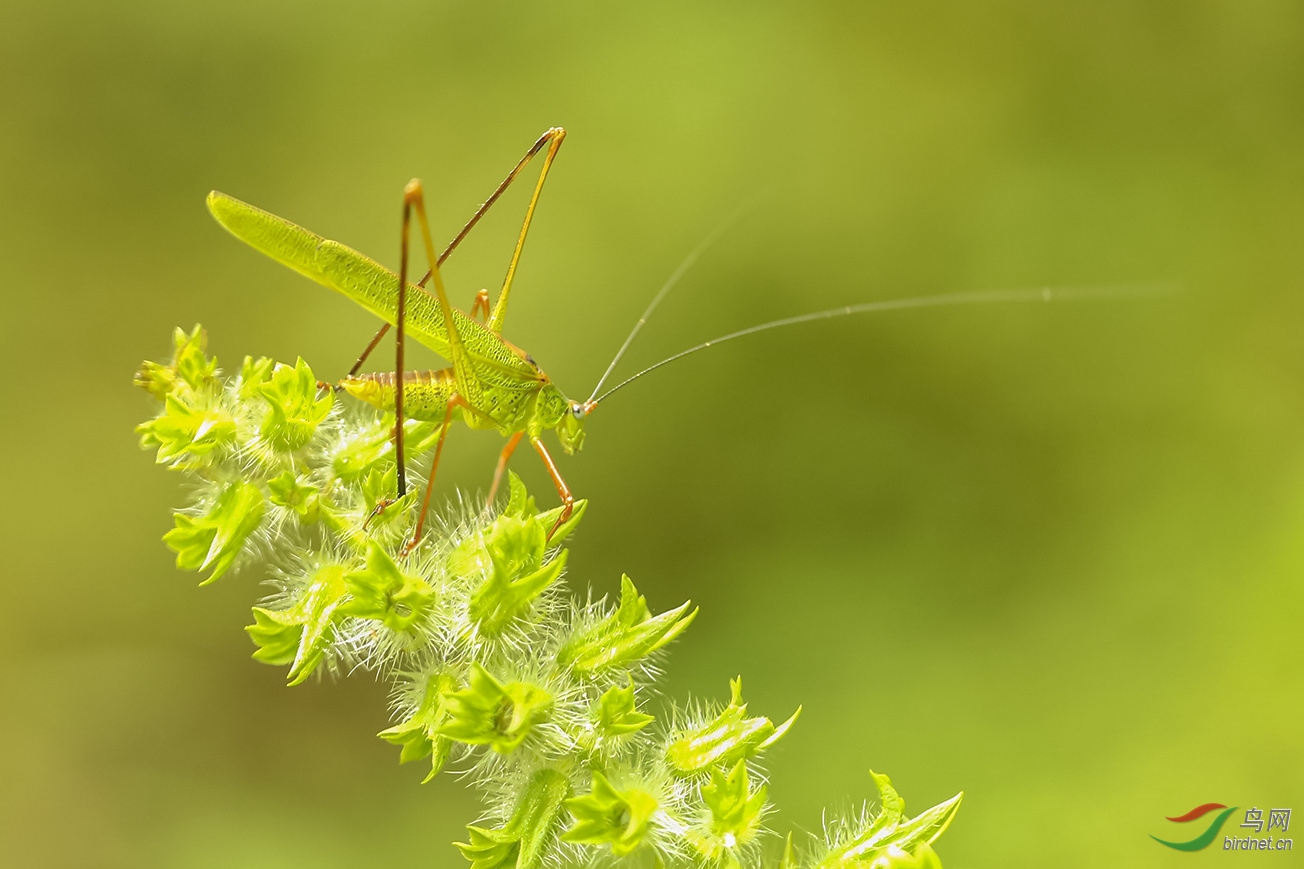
[(1049, 555)]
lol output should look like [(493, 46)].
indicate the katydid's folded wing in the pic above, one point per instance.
[(370, 284)]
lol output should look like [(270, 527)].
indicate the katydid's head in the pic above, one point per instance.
[(570, 431), (558, 412)]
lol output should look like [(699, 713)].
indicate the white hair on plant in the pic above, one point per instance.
[(497, 673)]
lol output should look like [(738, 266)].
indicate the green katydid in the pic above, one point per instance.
[(492, 384)]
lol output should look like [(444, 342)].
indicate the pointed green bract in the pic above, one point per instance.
[(887, 837), (735, 815), (383, 592), (293, 493), (186, 434), (214, 539), (418, 735), (521, 842), (295, 406), (301, 633), (606, 816), (489, 712), (626, 636), (731, 736), (617, 714)]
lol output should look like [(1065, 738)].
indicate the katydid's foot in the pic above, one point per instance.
[(567, 507), (380, 507)]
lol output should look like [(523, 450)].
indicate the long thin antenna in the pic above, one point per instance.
[(1046, 294), (724, 226)]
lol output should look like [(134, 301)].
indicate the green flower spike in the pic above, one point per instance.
[(888, 837), (419, 734), (216, 538), (617, 715), (488, 712), (736, 813), (514, 548), (295, 406), (520, 843), (606, 816), (730, 737), (625, 636), (300, 634), (383, 592)]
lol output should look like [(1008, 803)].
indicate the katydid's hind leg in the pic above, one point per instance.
[(400, 316), (567, 499), (362, 357), (554, 137), (503, 458), (434, 466), (480, 307)]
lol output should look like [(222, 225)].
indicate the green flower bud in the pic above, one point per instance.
[(606, 816), (253, 374), (520, 843), (418, 734), (190, 369), (300, 634), (185, 434), (735, 817), (382, 592), (617, 715), (295, 406), (290, 492), (625, 636), (730, 737), (514, 549), (216, 538), (488, 712), (887, 832)]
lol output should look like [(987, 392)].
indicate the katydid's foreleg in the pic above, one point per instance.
[(503, 458), (480, 307), (567, 499)]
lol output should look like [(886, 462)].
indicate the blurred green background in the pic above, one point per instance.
[(1050, 555)]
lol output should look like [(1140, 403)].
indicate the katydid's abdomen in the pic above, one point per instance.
[(425, 393)]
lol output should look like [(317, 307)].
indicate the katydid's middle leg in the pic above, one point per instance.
[(503, 458), (434, 466)]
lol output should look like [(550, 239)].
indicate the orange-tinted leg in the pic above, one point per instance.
[(503, 458), (480, 307), (567, 499), (434, 466), (552, 137)]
